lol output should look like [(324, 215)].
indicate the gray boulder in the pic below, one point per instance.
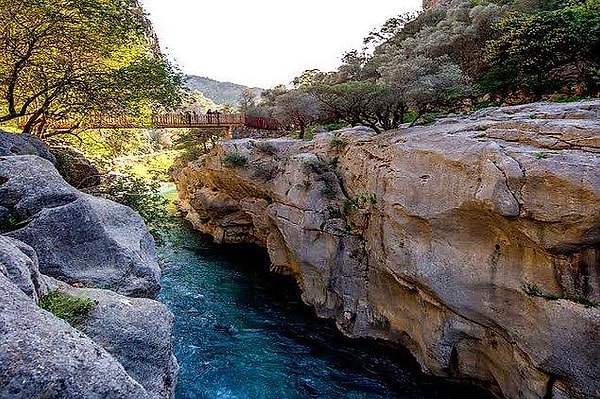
[(75, 168), (137, 332), (23, 144), (78, 238), (42, 356), (30, 184), (18, 262)]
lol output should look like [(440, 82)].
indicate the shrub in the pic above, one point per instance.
[(142, 196), (234, 159), (265, 172), (71, 309), (337, 143)]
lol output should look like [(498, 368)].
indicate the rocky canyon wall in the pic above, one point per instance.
[(474, 242)]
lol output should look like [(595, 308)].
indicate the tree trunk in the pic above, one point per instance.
[(302, 129), (419, 115)]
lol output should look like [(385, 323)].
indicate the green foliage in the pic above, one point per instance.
[(534, 291), (194, 143), (540, 155), (337, 143), (531, 49), (360, 253), (155, 166), (143, 196), (234, 159), (71, 309), (297, 110), (361, 201), (66, 60)]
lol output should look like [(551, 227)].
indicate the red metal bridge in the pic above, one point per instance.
[(165, 121)]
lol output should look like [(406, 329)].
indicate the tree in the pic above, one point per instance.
[(268, 96), (247, 99), (530, 46), (363, 102), (67, 59), (297, 108), (427, 84)]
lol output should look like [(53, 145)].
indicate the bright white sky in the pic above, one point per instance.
[(265, 42)]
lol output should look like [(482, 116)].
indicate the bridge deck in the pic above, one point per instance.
[(165, 121)]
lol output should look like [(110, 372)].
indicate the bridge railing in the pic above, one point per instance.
[(166, 120), (261, 123), (187, 119)]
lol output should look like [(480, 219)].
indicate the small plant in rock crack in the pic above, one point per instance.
[(540, 155), (535, 291), (360, 253), (361, 201), (332, 212), (337, 143), (71, 309), (234, 159)]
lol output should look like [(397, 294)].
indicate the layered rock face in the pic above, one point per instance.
[(54, 235), (474, 242)]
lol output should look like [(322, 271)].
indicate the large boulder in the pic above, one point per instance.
[(136, 331), (18, 262), (23, 144), (78, 238), (42, 356), (75, 168), (474, 242)]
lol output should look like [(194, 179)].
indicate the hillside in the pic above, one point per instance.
[(219, 92)]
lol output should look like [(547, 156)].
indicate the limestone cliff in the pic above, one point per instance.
[(474, 242)]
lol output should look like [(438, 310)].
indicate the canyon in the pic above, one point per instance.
[(473, 241)]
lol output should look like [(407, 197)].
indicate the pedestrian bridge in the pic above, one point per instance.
[(165, 121)]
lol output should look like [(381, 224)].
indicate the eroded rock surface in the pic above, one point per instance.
[(475, 241), (42, 356), (123, 348), (78, 238)]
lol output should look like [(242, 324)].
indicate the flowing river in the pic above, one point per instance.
[(243, 332)]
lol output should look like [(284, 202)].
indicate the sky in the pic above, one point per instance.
[(262, 43)]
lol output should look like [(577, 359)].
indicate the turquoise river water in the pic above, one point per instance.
[(242, 332)]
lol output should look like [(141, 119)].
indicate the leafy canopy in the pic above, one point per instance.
[(67, 59)]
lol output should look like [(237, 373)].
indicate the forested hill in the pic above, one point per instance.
[(219, 92)]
